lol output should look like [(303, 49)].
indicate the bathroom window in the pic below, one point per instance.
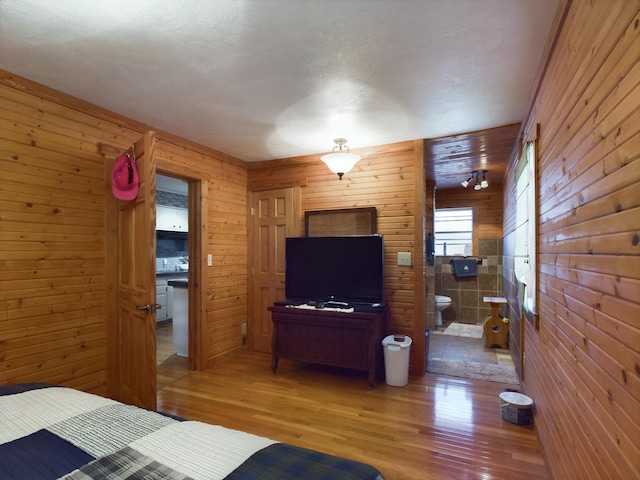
[(453, 231)]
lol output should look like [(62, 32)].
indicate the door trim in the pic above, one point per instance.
[(198, 228), (111, 273), (198, 322)]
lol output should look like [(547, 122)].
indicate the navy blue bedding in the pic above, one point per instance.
[(49, 432)]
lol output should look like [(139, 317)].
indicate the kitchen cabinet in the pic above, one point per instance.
[(172, 219), (180, 307), (162, 298), (164, 295)]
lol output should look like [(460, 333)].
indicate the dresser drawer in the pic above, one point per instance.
[(341, 339)]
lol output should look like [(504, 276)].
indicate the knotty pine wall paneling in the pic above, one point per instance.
[(384, 178), (582, 367), (225, 295), (52, 234)]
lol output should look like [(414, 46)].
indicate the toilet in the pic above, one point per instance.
[(442, 303)]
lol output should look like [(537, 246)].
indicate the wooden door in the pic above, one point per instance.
[(134, 352), (274, 216)]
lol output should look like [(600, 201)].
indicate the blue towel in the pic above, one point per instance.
[(465, 268)]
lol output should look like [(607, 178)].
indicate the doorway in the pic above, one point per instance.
[(172, 278), (131, 314), (463, 354)]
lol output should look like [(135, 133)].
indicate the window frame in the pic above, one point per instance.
[(438, 245), (528, 284)]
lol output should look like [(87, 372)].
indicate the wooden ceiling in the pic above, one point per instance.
[(450, 160)]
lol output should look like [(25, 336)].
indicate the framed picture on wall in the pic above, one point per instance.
[(349, 221)]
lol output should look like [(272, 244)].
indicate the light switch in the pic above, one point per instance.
[(404, 259), (209, 260)]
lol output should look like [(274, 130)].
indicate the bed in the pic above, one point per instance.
[(50, 432)]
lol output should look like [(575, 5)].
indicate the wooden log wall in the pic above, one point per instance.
[(52, 234), (225, 295), (582, 367), (385, 178)]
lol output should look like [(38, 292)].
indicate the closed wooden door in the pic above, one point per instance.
[(135, 286), (274, 217)]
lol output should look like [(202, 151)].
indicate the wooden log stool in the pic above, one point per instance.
[(495, 330)]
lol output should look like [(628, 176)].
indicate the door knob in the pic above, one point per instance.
[(149, 308)]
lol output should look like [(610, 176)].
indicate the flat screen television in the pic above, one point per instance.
[(343, 269)]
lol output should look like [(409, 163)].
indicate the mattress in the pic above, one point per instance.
[(51, 432)]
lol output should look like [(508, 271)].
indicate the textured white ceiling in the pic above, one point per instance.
[(264, 79)]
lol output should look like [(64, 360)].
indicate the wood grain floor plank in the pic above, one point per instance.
[(434, 428)]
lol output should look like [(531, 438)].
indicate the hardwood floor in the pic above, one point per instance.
[(164, 341), (434, 428)]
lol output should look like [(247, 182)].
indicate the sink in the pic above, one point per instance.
[(183, 266)]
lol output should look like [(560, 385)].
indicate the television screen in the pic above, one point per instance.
[(345, 269)]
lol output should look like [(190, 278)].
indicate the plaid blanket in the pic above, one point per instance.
[(49, 432)]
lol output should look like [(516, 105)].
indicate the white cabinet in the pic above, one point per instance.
[(162, 298), (180, 302), (173, 219)]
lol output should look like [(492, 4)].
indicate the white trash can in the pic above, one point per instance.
[(396, 359)]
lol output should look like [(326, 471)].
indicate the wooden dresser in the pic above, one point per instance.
[(341, 339)]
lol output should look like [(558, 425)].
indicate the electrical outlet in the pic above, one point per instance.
[(404, 259)]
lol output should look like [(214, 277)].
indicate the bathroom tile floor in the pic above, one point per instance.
[(449, 347)]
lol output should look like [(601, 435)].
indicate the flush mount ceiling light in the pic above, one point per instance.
[(340, 161), (479, 184)]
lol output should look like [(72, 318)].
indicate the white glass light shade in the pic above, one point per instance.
[(340, 162)]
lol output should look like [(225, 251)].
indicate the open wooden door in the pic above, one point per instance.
[(274, 216), (131, 314)]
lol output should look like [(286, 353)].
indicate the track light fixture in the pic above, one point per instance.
[(478, 184), (484, 183)]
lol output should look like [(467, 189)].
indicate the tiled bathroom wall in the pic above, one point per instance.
[(467, 293)]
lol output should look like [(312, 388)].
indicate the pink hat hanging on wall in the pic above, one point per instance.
[(125, 180)]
